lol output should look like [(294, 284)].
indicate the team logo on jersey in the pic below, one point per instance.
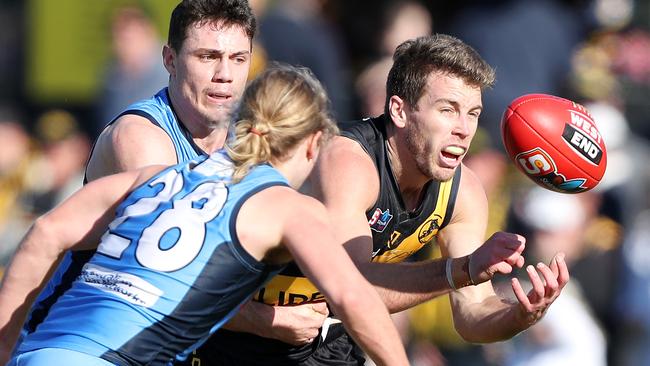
[(428, 230), (379, 220)]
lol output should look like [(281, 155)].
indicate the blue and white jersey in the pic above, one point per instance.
[(168, 272), (159, 110)]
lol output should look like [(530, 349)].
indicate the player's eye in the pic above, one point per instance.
[(447, 110)]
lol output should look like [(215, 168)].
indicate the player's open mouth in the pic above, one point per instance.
[(452, 154)]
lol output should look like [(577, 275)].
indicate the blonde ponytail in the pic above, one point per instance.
[(279, 109)]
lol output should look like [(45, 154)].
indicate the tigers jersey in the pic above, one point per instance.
[(168, 271), (397, 233), (159, 111)]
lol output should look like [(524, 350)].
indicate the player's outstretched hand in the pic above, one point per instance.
[(546, 288), (499, 254)]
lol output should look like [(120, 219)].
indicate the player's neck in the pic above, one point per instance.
[(409, 179), (207, 135), (213, 141)]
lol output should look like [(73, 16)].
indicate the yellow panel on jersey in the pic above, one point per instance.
[(398, 248)]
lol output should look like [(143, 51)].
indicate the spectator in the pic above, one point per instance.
[(17, 153), (314, 43), (136, 71)]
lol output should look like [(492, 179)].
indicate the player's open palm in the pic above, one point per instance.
[(499, 254), (547, 284)]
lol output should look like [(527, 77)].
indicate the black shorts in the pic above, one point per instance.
[(227, 348)]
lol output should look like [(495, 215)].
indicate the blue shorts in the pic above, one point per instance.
[(56, 357)]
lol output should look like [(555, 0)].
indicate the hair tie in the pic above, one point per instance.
[(255, 131)]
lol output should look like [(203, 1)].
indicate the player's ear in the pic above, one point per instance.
[(313, 145), (169, 59), (396, 110)]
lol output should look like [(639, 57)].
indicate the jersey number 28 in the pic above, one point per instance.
[(187, 215)]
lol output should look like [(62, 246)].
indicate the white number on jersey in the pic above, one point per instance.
[(188, 215)]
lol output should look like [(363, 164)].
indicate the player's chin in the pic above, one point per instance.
[(218, 115), (442, 174)]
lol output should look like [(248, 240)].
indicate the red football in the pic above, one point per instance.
[(555, 142)]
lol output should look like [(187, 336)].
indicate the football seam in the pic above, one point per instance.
[(555, 148), (536, 99)]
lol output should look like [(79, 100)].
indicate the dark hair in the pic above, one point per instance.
[(228, 12), (415, 59)]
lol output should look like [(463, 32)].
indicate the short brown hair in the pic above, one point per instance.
[(415, 59)]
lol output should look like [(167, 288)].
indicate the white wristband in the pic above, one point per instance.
[(450, 279)]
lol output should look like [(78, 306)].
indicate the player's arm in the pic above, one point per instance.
[(131, 142), (295, 325), (307, 234), (347, 182), (298, 324), (479, 314), (76, 223)]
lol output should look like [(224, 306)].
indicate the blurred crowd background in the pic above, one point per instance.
[(68, 67)]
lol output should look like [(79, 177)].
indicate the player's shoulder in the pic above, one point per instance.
[(345, 175), (286, 198), (471, 193), (285, 203), (130, 142), (346, 155), (132, 125), (133, 131)]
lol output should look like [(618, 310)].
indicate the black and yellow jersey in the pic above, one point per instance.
[(397, 233)]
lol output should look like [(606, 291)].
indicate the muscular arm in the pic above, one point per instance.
[(353, 299), (347, 182), (479, 314), (132, 142), (303, 228), (77, 223)]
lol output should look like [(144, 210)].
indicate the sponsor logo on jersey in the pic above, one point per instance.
[(380, 219), (284, 290), (123, 285), (583, 144)]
